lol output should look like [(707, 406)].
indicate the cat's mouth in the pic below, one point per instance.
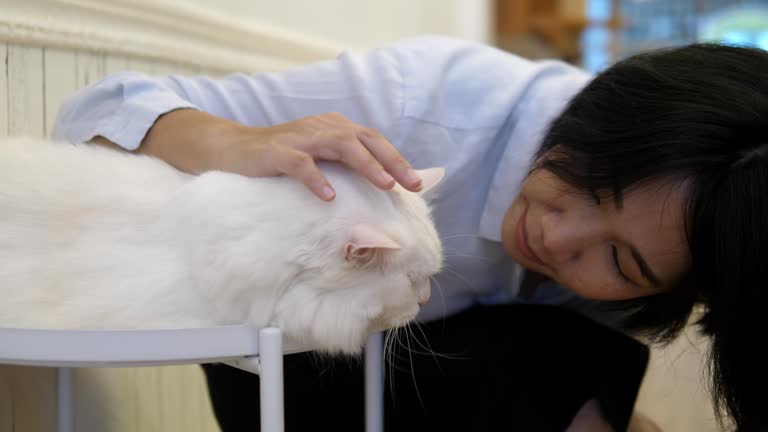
[(401, 320)]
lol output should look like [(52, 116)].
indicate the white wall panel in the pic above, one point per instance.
[(90, 67), (3, 91), (141, 64), (115, 63), (25, 91), (60, 81)]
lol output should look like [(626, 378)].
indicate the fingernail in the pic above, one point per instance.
[(412, 178), (385, 178), (328, 193)]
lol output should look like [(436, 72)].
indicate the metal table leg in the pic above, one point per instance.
[(374, 383), (64, 395), (271, 377)]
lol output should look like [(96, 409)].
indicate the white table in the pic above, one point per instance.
[(255, 350)]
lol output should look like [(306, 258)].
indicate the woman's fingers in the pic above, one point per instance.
[(293, 147), (392, 161), (365, 150), (301, 165), (348, 149)]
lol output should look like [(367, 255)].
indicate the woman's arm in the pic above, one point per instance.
[(259, 125), (194, 141)]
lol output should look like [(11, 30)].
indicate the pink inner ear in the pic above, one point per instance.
[(363, 242), (430, 178), (366, 236)]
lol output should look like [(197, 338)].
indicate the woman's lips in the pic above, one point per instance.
[(522, 240)]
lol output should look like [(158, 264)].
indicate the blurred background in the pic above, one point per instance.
[(591, 33), (595, 33), (51, 48)]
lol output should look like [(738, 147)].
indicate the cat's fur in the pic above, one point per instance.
[(96, 238)]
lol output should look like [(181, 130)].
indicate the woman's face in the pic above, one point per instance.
[(599, 251)]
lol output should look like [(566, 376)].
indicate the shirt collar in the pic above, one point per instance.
[(521, 135)]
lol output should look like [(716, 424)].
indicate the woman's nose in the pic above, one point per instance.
[(565, 235)]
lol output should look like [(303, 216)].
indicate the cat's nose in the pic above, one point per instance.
[(424, 300), (423, 292)]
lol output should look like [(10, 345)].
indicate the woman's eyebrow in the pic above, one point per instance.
[(645, 269)]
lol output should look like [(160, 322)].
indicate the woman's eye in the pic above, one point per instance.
[(595, 197), (615, 255)]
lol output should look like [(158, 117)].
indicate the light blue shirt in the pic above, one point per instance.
[(478, 111)]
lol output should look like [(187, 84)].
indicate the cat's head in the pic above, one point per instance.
[(370, 268)]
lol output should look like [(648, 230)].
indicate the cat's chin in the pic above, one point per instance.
[(338, 333), (393, 323), (326, 329), (335, 325)]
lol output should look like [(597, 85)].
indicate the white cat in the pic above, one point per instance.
[(99, 239)]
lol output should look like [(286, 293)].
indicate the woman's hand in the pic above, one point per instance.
[(194, 141), (292, 149)]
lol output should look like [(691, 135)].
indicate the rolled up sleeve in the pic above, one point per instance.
[(366, 88)]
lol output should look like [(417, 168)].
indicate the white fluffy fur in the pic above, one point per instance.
[(100, 239)]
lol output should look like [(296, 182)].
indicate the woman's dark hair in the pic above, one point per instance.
[(696, 115)]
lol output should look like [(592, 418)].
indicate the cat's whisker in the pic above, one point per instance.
[(427, 348), (392, 337), (388, 357), (395, 345), (413, 372), (439, 290), (437, 354), (397, 357), (453, 236), (457, 255), (460, 277), (416, 341), (393, 358)]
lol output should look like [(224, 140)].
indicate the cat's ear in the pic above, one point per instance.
[(365, 241), (430, 178)]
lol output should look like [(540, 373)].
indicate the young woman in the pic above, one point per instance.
[(645, 187)]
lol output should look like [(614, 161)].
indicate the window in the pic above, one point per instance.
[(650, 24)]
